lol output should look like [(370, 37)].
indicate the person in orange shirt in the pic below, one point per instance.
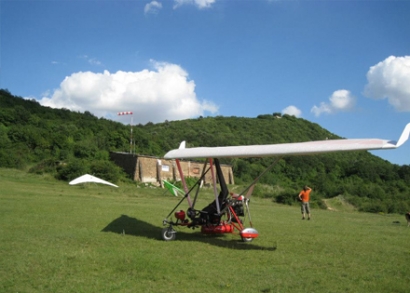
[(304, 196)]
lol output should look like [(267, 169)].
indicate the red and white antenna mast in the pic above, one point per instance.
[(128, 113)]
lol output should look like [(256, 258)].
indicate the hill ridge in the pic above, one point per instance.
[(68, 144)]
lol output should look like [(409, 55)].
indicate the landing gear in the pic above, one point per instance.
[(248, 239), (168, 233), (248, 234)]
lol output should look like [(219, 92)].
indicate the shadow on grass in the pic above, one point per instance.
[(132, 226)]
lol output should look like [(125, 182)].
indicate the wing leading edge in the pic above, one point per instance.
[(298, 148)]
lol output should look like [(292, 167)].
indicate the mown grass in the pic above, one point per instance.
[(61, 238), (339, 204)]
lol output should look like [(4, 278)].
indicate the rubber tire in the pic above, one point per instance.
[(244, 239), (168, 234)]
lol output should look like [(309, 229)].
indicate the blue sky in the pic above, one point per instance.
[(344, 65)]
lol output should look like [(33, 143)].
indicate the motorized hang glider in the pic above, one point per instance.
[(229, 212), (89, 178)]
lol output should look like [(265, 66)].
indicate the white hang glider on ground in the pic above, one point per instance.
[(228, 212), (87, 178)]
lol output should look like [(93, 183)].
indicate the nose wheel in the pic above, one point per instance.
[(168, 233)]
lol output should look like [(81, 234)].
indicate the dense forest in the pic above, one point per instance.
[(67, 144)]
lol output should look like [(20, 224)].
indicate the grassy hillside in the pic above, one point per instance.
[(93, 238), (66, 144)]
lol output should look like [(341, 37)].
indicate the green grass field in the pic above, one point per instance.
[(94, 238)]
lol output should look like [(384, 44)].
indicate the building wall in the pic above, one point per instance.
[(154, 170), (126, 161)]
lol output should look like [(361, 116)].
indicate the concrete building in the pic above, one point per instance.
[(153, 169)]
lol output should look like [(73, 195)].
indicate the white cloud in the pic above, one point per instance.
[(201, 4), (340, 100), (164, 93), (390, 79), (91, 60), (94, 61), (152, 7), (293, 111)]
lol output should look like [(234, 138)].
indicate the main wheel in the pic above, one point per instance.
[(168, 234), (248, 234)]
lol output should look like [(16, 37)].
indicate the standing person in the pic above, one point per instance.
[(304, 196)]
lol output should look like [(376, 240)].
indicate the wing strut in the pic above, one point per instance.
[(181, 174), (218, 209), (200, 180), (187, 195), (252, 185)]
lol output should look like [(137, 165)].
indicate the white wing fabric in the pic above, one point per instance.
[(90, 178), (297, 148)]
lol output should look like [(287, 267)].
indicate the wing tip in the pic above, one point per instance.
[(404, 135), (182, 145)]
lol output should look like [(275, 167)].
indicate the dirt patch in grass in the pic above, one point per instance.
[(338, 203)]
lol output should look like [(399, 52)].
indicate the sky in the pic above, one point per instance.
[(344, 65)]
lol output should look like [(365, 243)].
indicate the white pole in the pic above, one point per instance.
[(131, 137)]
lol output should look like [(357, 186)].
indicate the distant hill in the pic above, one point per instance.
[(66, 144)]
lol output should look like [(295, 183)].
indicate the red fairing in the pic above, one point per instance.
[(249, 233), (219, 229)]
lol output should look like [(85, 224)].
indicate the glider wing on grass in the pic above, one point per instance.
[(90, 178)]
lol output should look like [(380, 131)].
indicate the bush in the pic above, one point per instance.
[(374, 207), (45, 166), (106, 170), (73, 169), (288, 197), (11, 160), (321, 204)]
